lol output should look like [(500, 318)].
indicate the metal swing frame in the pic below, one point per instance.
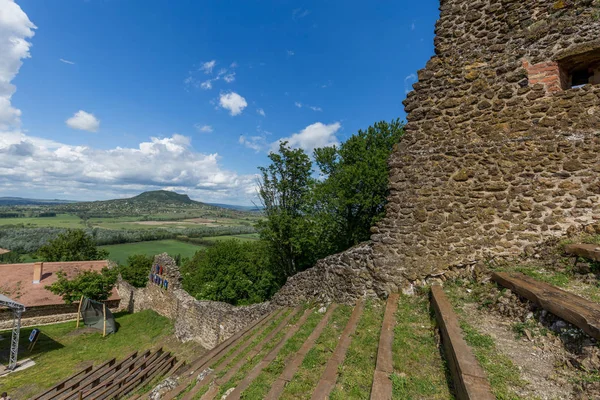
[(17, 310)]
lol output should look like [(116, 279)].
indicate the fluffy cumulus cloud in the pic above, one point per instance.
[(15, 31), (312, 137), (233, 102), (84, 121), (30, 162)]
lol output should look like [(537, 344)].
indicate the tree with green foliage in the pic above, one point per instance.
[(284, 190), (137, 269), (12, 257), (353, 195), (73, 245), (92, 284), (231, 271)]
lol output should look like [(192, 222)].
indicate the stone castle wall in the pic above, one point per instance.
[(205, 322), (498, 154)]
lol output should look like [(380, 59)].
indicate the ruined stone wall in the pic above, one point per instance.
[(205, 322), (498, 154), (493, 162)]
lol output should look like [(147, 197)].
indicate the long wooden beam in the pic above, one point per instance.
[(575, 309), (470, 382)]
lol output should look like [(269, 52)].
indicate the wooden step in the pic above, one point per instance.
[(248, 357), (215, 354), (580, 312), (49, 393), (253, 374), (224, 363), (73, 386), (470, 382), (589, 251), (382, 384), (291, 367), (329, 376)]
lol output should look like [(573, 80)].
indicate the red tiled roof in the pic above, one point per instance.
[(17, 281)]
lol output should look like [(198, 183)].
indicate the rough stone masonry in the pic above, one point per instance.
[(502, 148)]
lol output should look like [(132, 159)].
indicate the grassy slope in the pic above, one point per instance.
[(245, 237), (355, 376), (120, 252), (419, 370), (61, 351), (309, 373)]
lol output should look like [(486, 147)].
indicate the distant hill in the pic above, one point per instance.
[(21, 201), (148, 203), (236, 207)]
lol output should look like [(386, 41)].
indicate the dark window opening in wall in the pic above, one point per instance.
[(580, 69)]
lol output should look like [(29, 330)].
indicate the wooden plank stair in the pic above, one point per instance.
[(470, 382), (382, 385), (580, 312), (189, 374), (590, 251), (291, 367), (329, 377), (214, 389)]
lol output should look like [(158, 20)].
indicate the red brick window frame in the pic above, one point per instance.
[(566, 73)]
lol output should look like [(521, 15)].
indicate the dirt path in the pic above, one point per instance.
[(535, 359)]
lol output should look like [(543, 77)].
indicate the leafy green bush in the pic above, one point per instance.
[(137, 269), (92, 284), (73, 245), (230, 271)]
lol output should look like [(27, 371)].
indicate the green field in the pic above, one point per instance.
[(120, 252), (244, 237), (62, 350), (60, 221)]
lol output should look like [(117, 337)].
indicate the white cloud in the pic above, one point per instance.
[(412, 26), (15, 30), (299, 13), (233, 65), (229, 77), (206, 84), (34, 163), (203, 128), (84, 121), (233, 102), (408, 82), (261, 112), (208, 66), (256, 143), (290, 53), (66, 61), (311, 137), (314, 108)]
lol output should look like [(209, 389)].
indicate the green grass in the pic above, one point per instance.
[(120, 252), (60, 221), (305, 380), (252, 362), (244, 237), (501, 372), (262, 384), (62, 350), (355, 377), (420, 372)]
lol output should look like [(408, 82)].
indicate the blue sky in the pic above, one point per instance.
[(107, 98)]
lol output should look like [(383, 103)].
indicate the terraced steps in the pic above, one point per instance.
[(340, 352), (112, 379)]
